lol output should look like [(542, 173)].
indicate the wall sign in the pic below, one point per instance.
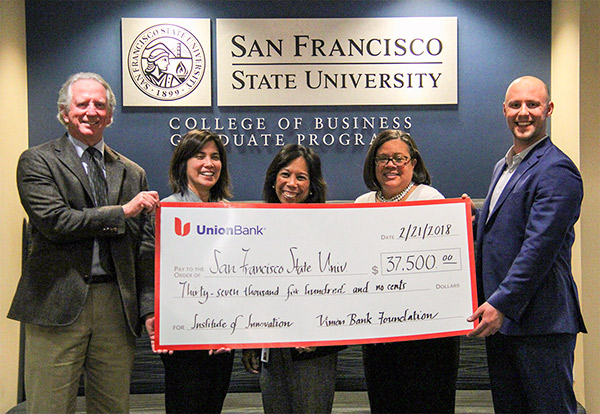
[(353, 61), (166, 62)]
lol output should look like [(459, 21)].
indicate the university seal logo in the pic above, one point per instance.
[(166, 62)]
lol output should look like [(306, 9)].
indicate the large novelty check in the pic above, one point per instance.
[(258, 275)]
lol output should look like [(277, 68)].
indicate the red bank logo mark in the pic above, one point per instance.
[(181, 230)]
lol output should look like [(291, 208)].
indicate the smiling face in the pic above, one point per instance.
[(393, 179), (88, 113), (203, 170), (526, 108), (293, 182)]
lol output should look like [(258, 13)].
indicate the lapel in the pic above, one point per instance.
[(67, 155), (498, 169), (114, 174), (530, 160)]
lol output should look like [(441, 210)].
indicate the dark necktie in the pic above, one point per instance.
[(96, 177), (100, 194)]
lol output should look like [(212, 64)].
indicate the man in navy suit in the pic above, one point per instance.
[(87, 283), (524, 233)]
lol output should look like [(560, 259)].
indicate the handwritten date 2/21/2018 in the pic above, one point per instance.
[(424, 231)]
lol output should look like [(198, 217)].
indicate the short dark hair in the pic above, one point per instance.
[(318, 188), (420, 173), (190, 145)]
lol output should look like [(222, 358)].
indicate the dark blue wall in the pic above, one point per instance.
[(497, 42)]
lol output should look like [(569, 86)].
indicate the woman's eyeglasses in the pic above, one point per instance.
[(397, 160)]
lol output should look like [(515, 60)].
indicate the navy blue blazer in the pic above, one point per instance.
[(523, 256)]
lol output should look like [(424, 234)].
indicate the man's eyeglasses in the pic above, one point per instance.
[(397, 160)]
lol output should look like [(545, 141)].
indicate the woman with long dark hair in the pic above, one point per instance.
[(197, 381), (295, 380)]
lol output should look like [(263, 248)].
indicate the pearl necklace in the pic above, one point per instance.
[(397, 197)]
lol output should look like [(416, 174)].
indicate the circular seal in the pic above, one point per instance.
[(166, 62)]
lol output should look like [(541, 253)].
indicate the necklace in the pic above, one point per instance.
[(397, 197)]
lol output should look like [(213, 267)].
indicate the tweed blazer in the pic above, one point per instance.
[(55, 192)]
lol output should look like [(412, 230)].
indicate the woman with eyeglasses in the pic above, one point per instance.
[(395, 171), (412, 376)]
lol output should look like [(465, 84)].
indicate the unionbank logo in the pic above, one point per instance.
[(180, 228), (166, 62), (235, 230), (183, 229)]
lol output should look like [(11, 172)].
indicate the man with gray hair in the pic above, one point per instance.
[(87, 283)]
